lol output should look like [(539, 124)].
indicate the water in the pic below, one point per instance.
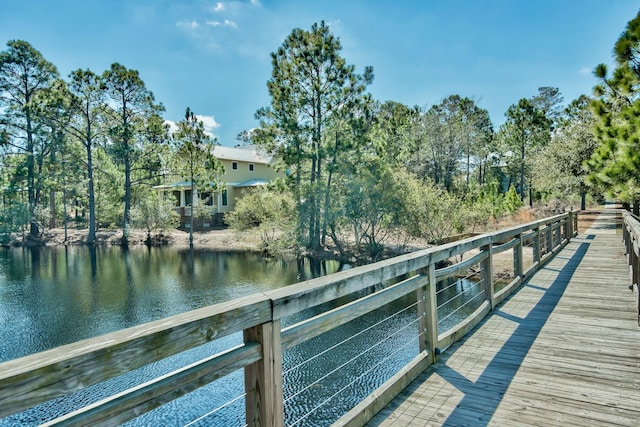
[(55, 296)]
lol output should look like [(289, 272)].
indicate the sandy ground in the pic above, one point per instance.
[(225, 239)]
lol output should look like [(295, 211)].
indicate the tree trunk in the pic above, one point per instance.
[(530, 196), (127, 175), (327, 193), (91, 237), (191, 197), (33, 224), (522, 173), (127, 202), (300, 225), (468, 165), (64, 208), (52, 208), (316, 172), (309, 203)]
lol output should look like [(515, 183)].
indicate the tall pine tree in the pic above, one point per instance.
[(615, 164)]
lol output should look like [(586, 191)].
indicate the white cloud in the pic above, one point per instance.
[(209, 123), (173, 127), (239, 17), (190, 25), (228, 23), (585, 70)]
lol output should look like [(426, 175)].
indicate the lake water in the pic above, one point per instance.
[(54, 296)]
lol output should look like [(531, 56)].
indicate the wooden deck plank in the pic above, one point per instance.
[(563, 350)]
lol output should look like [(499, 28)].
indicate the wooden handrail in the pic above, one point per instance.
[(631, 238), (35, 379)]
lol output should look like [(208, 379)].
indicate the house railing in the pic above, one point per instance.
[(39, 378)]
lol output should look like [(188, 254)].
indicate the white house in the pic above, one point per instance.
[(244, 168)]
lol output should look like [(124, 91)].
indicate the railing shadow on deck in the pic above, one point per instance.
[(318, 306), (486, 389)]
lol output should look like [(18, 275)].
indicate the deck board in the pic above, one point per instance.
[(563, 350)]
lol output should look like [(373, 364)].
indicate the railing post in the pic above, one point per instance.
[(423, 311), (559, 232), (625, 239), (428, 314), (634, 267), (517, 258), (487, 273), (536, 245), (636, 278), (569, 225), (263, 379)]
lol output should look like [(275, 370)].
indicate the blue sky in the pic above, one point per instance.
[(214, 57)]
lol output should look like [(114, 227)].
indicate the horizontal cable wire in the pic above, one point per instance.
[(384, 359), (348, 339), (447, 287), (461, 307), (224, 405), (467, 278), (475, 286), (365, 351), (474, 273)]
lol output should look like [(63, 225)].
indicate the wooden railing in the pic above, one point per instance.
[(38, 378), (631, 237)]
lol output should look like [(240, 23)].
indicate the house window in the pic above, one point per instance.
[(234, 165), (206, 199), (250, 167), (224, 198)]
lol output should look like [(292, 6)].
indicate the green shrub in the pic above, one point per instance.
[(270, 212)]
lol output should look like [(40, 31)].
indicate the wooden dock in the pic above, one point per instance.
[(563, 350)]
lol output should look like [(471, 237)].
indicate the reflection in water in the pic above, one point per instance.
[(55, 296)]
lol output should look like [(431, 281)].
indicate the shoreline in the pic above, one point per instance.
[(219, 239), (226, 239)]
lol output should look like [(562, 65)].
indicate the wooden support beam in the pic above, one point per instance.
[(431, 305), (536, 246), (517, 258), (263, 379), (487, 274)]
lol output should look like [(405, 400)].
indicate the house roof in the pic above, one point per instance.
[(181, 184), (249, 154), (187, 184), (251, 183)]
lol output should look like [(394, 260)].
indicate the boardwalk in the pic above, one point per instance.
[(564, 350)]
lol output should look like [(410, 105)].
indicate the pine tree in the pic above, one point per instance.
[(24, 73), (312, 89), (615, 164)]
